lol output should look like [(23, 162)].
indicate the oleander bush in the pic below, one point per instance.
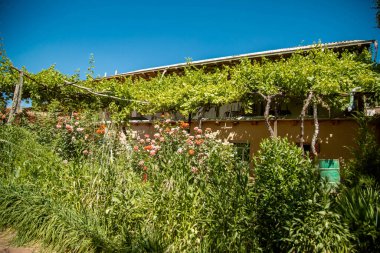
[(292, 203)]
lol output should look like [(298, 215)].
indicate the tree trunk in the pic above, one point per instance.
[(268, 100), (16, 102), (302, 115), (316, 129), (189, 122)]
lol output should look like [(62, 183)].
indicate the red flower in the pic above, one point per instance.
[(135, 148)]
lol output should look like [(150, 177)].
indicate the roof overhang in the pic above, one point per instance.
[(230, 60)]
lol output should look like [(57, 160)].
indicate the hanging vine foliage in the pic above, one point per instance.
[(325, 73)]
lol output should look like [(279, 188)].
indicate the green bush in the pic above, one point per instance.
[(320, 230), (292, 205)]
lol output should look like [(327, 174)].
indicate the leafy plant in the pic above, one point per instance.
[(366, 161), (286, 185), (321, 229), (360, 209)]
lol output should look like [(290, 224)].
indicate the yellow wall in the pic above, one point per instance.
[(334, 137)]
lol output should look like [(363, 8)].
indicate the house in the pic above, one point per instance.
[(337, 129)]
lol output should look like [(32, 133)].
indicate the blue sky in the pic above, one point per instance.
[(131, 35)]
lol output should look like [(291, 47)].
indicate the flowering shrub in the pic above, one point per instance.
[(193, 179), (173, 143), (75, 139)]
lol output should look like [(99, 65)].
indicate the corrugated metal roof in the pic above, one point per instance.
[(227, 59)]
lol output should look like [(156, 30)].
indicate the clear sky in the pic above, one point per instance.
[(131, 35)]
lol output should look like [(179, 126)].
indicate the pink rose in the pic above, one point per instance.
[(69, 128)]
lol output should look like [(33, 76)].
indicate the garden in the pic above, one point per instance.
[(71, 181)]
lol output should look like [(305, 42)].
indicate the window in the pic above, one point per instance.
[(243, 151), (307, 148)]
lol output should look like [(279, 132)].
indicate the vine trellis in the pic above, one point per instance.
[(320, 77)]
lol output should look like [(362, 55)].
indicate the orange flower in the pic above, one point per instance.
[(199, 141), (100, 131), (149, 147), (191, 152), (185, 125)]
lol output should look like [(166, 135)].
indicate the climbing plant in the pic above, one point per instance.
[(319, 77)]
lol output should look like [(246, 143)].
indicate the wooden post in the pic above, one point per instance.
[(17, 96)]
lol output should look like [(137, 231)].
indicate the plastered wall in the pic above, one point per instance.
[(334, 138)]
